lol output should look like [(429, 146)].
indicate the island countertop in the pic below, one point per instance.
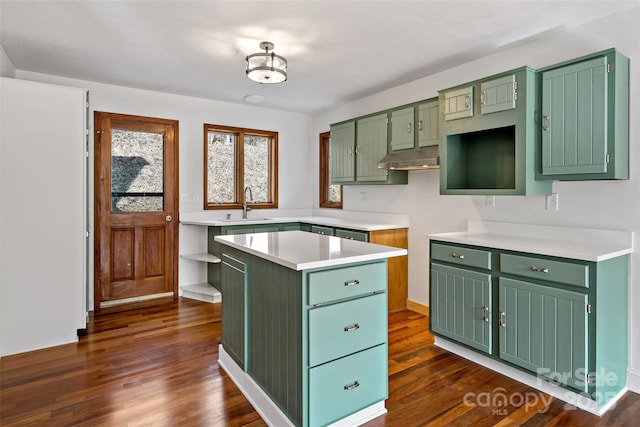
[(300, 250)]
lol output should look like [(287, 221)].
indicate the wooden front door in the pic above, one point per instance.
[(136, 182)]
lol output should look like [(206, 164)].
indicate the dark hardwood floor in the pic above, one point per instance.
[(157, 366)]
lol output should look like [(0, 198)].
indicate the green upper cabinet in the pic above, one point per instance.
[(458, 103), (494, 152), (585, 118), (371, 147), (428, 123), (402, 129), (356, 147), (342, 152)]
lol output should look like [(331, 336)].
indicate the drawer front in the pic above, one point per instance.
[(478, 258), (538, 268), (340, 329), (347, 282), (347, 385), (353, 235), (318, 229)]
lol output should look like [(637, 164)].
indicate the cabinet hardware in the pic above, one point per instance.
[(485, 313), (607, 159), (352, 386), (352, 328), (467, 101), (515, 91), (321, 232), (483, 94), (539, 270), (588, 308), (352, 283), (459, 256), (503, 319), (408, 127), (168, 218), (545, 122), (351, 151), (357, 150), (608, 68), (420, 125), (349, 238)]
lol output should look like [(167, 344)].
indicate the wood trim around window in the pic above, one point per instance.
[(324, 173), (239, 167)]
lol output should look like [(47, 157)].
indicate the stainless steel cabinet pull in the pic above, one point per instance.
[(545, 122), (485, 313), (483, 95), (408, 127), (357, 150), (459, 256), (320, 232), (503, 319), (467, 101), (539, 270), (352, 328), (352, 283), (352, 386), (351, 151), (420, 125), (350, 238)]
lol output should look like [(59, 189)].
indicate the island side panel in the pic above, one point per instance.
[(275, 334)]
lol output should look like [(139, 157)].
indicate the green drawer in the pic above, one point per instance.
[(340, 329), (347, 385), (318, 229), (347, 282), (478, 258), (568, 273), (363, 236)]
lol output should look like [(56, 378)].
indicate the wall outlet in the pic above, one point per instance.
[(196, 198), (552, 202), (363, 195), (185, 197), (490, 201)]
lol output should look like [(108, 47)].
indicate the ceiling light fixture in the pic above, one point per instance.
[(266, 67)]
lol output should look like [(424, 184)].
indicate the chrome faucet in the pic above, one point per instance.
[(246, 208)]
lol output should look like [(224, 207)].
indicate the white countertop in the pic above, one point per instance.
[(300, 250), (364, 225), (567, 242)]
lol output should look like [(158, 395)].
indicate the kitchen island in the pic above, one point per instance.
[(304, 325)]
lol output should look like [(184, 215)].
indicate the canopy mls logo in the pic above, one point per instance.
[(500, 401)]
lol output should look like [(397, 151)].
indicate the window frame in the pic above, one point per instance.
[(239, 166), (325, 182)]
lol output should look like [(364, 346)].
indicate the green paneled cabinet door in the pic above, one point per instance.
[(585, 119), (342, 152), (428, 123), (461, 305), (402, 129), (233, 272), (371, 147), (544, 329)]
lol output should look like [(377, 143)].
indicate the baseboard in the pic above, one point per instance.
[(633, 380), (417, 307)]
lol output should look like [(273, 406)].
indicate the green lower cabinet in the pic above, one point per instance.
[(461, 306), (544, 330), (347, 385), (233, 272)]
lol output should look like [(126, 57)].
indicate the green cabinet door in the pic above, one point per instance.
[(342, 153), (544, 329), (233, 274), (461, 306), (574, 118), (458, 103), (498, 94), (585, 118), (428, 123), (402, 129), (371, 147)]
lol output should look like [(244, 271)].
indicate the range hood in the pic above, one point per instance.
[(426, 158)]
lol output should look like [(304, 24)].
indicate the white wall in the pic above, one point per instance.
[(610, 205), (6, 66), (294, 156)]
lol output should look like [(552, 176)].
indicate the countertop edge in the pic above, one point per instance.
[(331, 222)]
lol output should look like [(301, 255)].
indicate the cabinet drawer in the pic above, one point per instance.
[(347, 282), (318, 229), (478, 258), (353, 235), (567, 273), (347, 385), (341, 329)]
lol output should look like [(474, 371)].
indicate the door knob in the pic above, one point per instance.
[(169, 218)]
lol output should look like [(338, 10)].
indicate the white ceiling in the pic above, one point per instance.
[(338, 51)]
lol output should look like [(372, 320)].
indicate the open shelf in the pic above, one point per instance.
[(205, 257)]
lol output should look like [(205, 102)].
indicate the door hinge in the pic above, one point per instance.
[(588, 308), (87, 131), (387, 120), (608, 68), (608, 159), (515, 91)]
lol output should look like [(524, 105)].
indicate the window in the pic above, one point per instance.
[(237, 158), (330, 194)]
